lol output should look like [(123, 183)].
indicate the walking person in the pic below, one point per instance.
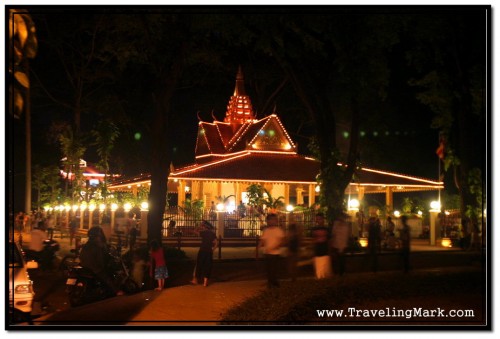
[(321, 238), (405, 235), (49, 226), (36, 248), (271, 240), (73, 227), (341, 233), (204, 260), (374, 237), (390, 242), (159, 264), (293, 244), (133, 237), (131, 223)]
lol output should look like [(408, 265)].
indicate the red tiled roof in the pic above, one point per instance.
[(282, 167), (226, 131), (253, 166), (209, 140)]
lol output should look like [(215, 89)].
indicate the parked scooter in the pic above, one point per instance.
[(84, 287)]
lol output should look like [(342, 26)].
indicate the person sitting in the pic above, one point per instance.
[(95, 257)]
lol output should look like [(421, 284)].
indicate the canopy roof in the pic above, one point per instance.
[(278, 167)]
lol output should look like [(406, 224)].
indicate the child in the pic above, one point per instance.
[(138, 269), (158, 258)]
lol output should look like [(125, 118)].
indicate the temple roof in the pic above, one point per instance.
[(218, 139), (291, 168), (259, 166)]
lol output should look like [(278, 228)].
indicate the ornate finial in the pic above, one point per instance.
[(198, 115), (213, 116), (239, 109), (239, 89), (239, 75)]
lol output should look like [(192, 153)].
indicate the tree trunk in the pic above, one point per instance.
[(27, 203), (161, 152)]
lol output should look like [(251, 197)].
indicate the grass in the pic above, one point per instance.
[(297, 303)]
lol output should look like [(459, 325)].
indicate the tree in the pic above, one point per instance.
[(452, 82), (72, 148), (75, 42), (171, 48), (258, 196), (23, 46), (105, 136), (335, 79), (271, 202)]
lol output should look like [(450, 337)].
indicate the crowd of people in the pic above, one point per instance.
[(330, 244)]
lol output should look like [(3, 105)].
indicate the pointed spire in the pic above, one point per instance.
[(239, 108), (239, 89)]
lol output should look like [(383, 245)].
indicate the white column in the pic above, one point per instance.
[(113, 221), (312, 195), (300, 197), (287, 194), (181, 193)]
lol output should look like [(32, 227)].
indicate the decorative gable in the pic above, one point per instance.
[(272, 137)]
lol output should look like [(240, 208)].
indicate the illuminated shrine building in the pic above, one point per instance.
[(242, 150)]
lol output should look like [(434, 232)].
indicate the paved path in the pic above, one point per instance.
[(196, 304)]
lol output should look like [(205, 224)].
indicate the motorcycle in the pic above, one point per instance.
[(46, 257), (84, 287)]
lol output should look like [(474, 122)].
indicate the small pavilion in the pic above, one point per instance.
[(240, 151)]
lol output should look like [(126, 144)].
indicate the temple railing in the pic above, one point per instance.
[(237, 224)]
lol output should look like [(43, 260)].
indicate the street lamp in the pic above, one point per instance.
[(435, 206), (353, 205), (127, 206), (289, 208)]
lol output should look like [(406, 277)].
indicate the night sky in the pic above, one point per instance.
[(396, 132)]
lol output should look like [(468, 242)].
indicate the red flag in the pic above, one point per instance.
[(440, 151)]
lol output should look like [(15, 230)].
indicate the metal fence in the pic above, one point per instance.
[(179, 222), (249, 224)]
